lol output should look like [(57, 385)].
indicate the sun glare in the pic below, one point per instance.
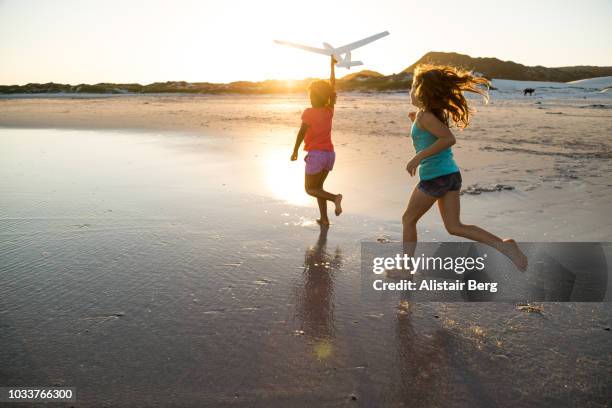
[(284, 178)]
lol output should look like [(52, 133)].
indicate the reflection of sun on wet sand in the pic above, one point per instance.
[(284, 179)]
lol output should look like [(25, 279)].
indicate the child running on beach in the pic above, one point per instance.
[(315, 132), (437, 91)]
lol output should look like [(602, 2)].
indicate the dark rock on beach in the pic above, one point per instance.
[(476, 189)]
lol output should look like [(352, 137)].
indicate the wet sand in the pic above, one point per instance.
[(171, 266), (554, 151)]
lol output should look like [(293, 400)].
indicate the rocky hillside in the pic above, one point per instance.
[(496, 68)]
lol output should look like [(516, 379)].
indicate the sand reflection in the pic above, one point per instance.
[(315, 305)]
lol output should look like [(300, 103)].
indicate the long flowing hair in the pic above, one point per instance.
[(440, 89)]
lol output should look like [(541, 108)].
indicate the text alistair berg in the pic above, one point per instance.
[(411, 264)]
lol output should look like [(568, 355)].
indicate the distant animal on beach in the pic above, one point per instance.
[(528, 91)]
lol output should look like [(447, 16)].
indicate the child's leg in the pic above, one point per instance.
[(323, 202), (450, 209), (314, 187), (449, 206), (418, 205), (337, 201)]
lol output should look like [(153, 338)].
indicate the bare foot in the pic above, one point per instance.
[(338, 204), (324, 222), (515, 254)]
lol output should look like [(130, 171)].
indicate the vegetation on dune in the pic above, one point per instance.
[(366, 82)]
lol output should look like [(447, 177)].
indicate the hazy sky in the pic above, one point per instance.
[(76, 41)]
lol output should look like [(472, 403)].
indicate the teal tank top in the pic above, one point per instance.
[(440, 164)]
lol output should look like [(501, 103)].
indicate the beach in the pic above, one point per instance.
[(159, 250), (553, 151)]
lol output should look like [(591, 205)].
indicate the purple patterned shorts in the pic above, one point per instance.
[(439, 186), (319, 160)]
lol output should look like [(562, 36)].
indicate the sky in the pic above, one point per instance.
[(92, 41)]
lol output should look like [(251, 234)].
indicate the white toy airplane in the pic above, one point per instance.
[(344, 62)]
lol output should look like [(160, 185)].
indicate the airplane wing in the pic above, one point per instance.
[(305, 47), (360, 43)]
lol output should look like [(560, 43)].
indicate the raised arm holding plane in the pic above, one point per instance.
[(332, 80), (332, 101)]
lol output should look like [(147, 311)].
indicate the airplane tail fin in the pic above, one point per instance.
[(349, 64)]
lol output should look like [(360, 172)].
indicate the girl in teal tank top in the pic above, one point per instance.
[(438, 93), (438, 164)]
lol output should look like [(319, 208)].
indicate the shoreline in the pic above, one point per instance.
[(521, 166)]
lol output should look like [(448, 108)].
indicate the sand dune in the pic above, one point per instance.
[(576, 88), (597, 83)]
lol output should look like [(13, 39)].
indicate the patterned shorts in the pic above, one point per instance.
[(319, 160), (439, 186)]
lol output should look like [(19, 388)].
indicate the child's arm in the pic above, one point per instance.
[(298, 141), (332, 80), (332, 73), (445, 139)]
